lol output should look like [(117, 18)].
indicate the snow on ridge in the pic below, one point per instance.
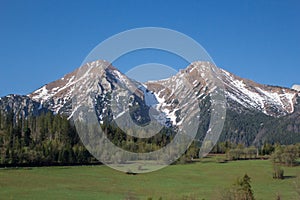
[(161, 100), (257, 97), (285, 99), (64, 88), (290, 97), (296, 87), (160, 80), (121, 78), (238, 86), (253, 96), (273, 96), (42, 94)]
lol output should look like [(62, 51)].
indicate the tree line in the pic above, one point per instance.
[(281, 154), (50, 139), (40, 140)]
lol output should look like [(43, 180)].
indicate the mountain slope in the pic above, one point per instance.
[(240, 93), (251, 107), (271, 100)]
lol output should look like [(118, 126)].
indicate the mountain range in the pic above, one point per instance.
[(255, 113)]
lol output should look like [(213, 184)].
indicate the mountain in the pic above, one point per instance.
[(256, 113), (241, 93)]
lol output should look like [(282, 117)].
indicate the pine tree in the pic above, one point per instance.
[(244, 190)]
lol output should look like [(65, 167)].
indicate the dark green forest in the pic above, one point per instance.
[(256, 128), (50, 139), (47, 139), (40, 140)]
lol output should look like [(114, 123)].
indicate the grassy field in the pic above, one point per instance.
[(202, 180)]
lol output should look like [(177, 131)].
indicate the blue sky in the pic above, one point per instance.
[(40, 41)]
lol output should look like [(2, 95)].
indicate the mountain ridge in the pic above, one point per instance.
[(242, 96)]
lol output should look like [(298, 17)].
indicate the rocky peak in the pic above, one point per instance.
[(194, 82)]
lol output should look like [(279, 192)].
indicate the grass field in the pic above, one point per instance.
[(202, 180)]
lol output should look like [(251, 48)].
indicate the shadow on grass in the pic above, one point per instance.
[(290, 177)]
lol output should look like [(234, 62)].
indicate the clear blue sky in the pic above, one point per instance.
[(40, 41)]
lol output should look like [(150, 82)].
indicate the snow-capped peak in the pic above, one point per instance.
[(273, 101)]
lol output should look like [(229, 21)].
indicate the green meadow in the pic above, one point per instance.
[(199, 180)]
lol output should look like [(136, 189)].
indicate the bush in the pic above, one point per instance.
[(220, 160), (285, 155), (278, 172), (234, 154), (241, 190), (278, 196)]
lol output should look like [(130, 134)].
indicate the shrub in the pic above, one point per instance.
[(220, 160), (241, 190), (278, 196), (285, 155), (278, 172)]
